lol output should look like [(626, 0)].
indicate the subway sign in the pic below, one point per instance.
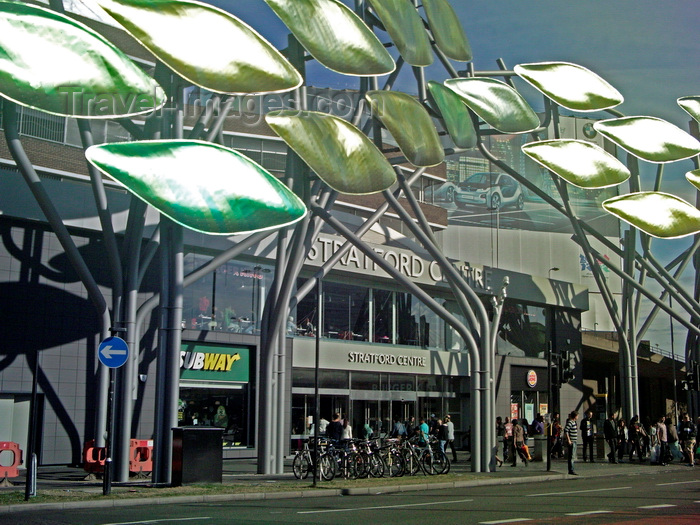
[(203, 362)]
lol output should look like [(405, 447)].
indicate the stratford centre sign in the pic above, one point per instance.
[(387, 359), (406, 262)]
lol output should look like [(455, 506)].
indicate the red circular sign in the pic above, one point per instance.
[(531, 378)]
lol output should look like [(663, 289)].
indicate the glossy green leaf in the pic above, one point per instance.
[(455, 114), (578, 162), (691, 105), (649, 138), (658, 214), (496, 103), (406, 29), (335, 36), (570, 85), (54, 64), (205, 45), (447, 31), (340, 154), (694, 178), (203, 186), (410, 124)]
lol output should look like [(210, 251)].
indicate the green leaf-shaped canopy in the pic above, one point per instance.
[(203, 186), (337, 151), (658, 214), (448, 32), (694, 178), (410, 124), (570, 85), (496, 103), (649, 138), (455, 114), (205, 45), (405, 27), (54, 64), (335, 36), (578, 162), (691, 105)]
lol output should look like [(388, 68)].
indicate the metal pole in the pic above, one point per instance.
[(107, 476), (549, 403), (317, 397), (673, 362), (30, 486)]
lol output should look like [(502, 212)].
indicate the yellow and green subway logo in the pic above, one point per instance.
[(214, 363)]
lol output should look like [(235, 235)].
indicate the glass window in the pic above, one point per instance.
[(230, 299), (307, 313), (418, 325), (383, 316), (522, 330), (304, 377), (402, 382), (345, 312), (365, 381), (430, 383)]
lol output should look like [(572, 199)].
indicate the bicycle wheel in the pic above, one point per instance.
[(327, 465), (394, 464), (411, 462), (441, 463), (354, 464), (428, 462), (362, 465), (376, 466), (301, 466)]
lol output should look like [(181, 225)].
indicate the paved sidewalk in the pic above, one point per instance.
[(242, 474)]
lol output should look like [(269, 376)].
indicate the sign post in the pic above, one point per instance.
[(113, 352)]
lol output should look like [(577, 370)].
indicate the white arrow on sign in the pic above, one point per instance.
[(108, 352)]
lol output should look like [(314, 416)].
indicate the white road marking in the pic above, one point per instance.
[(514, 520), (662, 506), (384, 507), (165, 520), (677, 483), (589, 512), (576, 492)]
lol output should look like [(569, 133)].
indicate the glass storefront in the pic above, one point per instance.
[(355, 313), (216, 391), (522, 331)]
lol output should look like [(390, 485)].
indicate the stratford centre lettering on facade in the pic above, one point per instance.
[(409, 264), (387, 359)]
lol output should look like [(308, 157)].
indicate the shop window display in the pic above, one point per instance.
[(224, 408)]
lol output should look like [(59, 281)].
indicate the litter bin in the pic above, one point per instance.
[(197, 455)]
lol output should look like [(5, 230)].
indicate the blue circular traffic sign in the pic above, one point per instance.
[(113, 352)]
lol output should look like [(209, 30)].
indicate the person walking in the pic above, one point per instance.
[(622, 440), (662, 438), (634, 435), (507, 439), (610, 436), (570, 438), (587, 435), (451, 437), (334, 429), (518, 443), (687, 433)]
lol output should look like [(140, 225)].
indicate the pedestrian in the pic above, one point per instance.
[(586, 428), (662, 438), (500, 431), (622, 440), (557, 443), (538, 425), (610, 435), (570, 438), (451, 436), (399, 429), (423, 433), (347, 429), (634, 438), (687, 433), (674, 448), (441, 434), (507, 439), (334, 429), (518, 443)]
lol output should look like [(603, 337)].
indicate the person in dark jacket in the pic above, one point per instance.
[(610, 435)]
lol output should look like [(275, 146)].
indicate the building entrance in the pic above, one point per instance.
[(380, 415)]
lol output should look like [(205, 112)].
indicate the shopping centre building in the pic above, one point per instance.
[(384, 355)]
